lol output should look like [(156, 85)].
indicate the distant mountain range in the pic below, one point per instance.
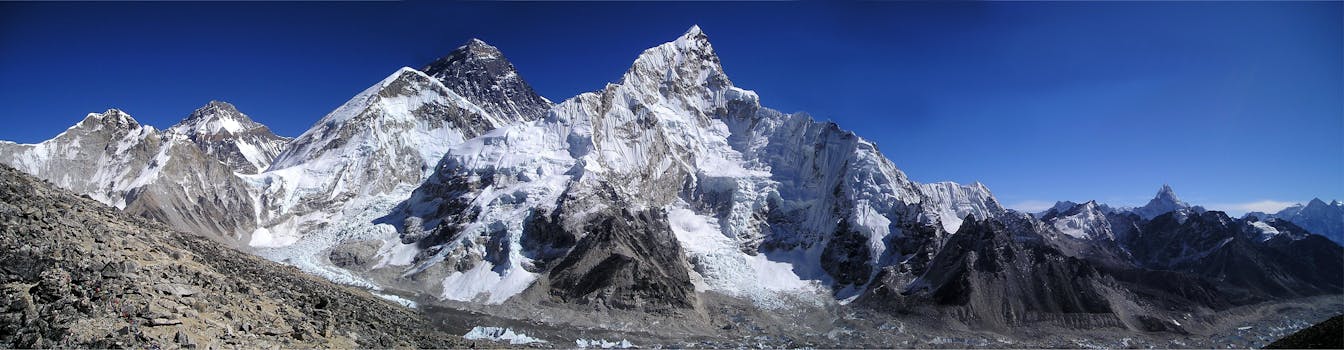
[(662, 194)]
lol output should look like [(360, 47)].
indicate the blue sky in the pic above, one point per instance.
[(1237, 105)]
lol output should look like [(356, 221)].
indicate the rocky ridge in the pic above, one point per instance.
[(76, 273)]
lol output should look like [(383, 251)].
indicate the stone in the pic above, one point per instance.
[(175, 289), (164, 322)]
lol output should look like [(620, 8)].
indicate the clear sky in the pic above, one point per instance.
[(1237, 105)]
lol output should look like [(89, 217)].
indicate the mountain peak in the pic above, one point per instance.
[(687, 62), (1167, 194), (214, 118), (477, 49), (693, 32), (1164, 202), (481, 74), (1316, 202), (111, 117)]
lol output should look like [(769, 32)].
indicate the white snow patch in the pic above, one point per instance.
[(1266, 231), (397, 299), (482, 279)]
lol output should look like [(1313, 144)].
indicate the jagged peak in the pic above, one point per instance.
[(1316, 202), (214, 118), (1167, 193), (112, 117), (474, 50), (690, 53), (475, 45), (694, 31)]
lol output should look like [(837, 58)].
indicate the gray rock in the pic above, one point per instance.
[(164, 322)]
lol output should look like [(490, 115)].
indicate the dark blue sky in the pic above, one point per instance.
[(1232, 103)]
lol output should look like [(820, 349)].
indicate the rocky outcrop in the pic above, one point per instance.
[(75, 273), (627, 261)]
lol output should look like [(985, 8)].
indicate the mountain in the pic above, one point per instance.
[(673, 197), (1319, 217), (77, 273), (224, 133), (1165, 202), (183, 176), (748, 192), (480, 73)]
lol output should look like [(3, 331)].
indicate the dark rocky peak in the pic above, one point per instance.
[(481, 74), (1317, 202)]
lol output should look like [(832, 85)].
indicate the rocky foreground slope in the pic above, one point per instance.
[(76, 273)]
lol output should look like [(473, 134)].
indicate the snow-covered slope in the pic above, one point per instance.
[(376, 147), (954, 202), (1085, 221)]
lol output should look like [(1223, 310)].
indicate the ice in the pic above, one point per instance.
[(603, 344), (723, 268), (397, 299), (501, 335)]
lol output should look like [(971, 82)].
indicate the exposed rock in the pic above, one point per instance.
[(61, 287), (630, 261)]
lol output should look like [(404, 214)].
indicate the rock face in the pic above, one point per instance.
[(75, 273), (999, 277), (627, 261)]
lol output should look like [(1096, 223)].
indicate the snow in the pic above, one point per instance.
[(952, 202), (1088, 223), (397, 299), (482, 279), (252, 154), (721, 267), (1266, 231), (394, 253), (500, 335)]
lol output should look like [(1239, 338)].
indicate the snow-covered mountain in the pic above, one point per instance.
[(183, 176), (480, 73), (1317, 216), (1082, 221), (662, 193), (226, 134), (763, 204), (1165, 202)]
